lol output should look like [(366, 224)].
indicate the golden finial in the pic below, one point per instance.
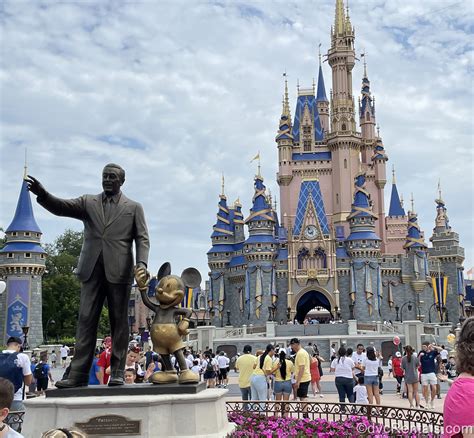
[(275, 204), (401, 199), (364, 55), (223, 181), (314, 86), (393, 173), (319, 54), (439, 189), (297, 85), (412, 203), (286, 100), (270, 197), (378, 130), (25, 167)]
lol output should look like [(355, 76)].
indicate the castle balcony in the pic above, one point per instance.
[(312, 273)]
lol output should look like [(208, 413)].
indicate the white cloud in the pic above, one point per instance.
[(188, 90)]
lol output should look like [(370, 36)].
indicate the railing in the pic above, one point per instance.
[(367, 327), (15, 420), (391, 418), (234, 333), (261, 330)]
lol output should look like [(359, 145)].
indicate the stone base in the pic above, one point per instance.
[(146, 416)]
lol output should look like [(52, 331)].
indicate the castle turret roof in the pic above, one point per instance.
[(24, 219), (321, 94), (396, 208)]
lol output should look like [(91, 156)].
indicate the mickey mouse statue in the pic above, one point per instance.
[(166, 334)]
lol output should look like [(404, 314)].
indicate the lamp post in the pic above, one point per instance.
[(228, 318), (52, 322), (25, 330), (397, 309), (409, 304), (429, 312), (270, 319), (288, 313)]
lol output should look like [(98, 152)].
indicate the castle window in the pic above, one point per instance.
[(344, 127), (367, 116), (10, 255), (307, 145), (307, 130), (37, 234), (337, 198), (259, 245), (14, 234), (27, 234), (345, 163), (27, 255), (364, 241), (42, 256), (225, 237), (226, 253)]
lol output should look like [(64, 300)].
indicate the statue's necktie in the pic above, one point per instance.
[(108, 209)]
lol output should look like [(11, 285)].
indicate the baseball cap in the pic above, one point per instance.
[(294, 341), (398, 354), (14, 339)]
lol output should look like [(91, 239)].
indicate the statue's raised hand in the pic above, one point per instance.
[(142, 276), (34, 186)]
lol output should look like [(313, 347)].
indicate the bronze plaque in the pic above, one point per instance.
[(110, 425)]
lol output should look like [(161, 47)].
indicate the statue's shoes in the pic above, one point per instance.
[(187, 376), (163, 377), (116, 381), (70, 383)]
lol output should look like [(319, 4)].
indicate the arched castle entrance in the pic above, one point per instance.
[(308, 299)]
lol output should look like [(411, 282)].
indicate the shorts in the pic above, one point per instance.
[(223, 373), (428, 379), (42, 384), (209, 375), (282, 387), (371, 380), (302, 391)]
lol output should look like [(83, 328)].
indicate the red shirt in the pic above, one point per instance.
[(397, 366), (104, 362)]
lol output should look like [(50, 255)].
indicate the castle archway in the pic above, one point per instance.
[(310, 299)]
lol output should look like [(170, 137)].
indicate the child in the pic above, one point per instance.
[(196, 368), (53, 358), (360, 391), (6, 398), (389, 365), (130, 376)]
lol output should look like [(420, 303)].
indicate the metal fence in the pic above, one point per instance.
[(393, 418), (15, 420)]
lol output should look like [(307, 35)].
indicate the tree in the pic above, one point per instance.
[(61, 288)]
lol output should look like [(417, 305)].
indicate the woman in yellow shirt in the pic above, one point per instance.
[(283, 370), (263, 368)]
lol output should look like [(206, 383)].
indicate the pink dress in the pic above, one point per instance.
[(458, 406)]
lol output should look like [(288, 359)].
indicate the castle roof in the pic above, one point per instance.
[(361, 205), (414, 236), (261, 210), (396, 208), (223, 226), (310, 101), (310, 192), (23, 247), (24, 219), (321, 94), (237, 261)]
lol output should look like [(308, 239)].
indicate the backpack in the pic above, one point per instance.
[(10, 370), (39, 371), (209, 366)]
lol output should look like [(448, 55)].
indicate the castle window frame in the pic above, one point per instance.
[(259, 245), (37, 234), (307, 145), (27, 234), (337, 198), (10, 255), (14, 234), (27, 255), (42, 256), (345, 163)]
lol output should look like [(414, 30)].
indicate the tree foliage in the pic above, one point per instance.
[(61, 288)]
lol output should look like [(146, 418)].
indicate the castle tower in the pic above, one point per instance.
[(379, 159), (219, 257), (396, 222), (260, 250), (367, 118), (446, 258), (22, 264), (363, 246), (322, 101), (343, 141)]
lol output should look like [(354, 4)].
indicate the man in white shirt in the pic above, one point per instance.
[(359, 357), (223, 364), (16, 369), (444, 354), (64, 350)]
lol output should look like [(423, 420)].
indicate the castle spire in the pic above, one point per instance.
[(396, 207), (24, 219), (321, 94), (340, 18), (286, 101), (367, 106), (441, 221), (414, 238)]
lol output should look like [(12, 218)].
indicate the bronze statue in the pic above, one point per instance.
[(105, 268), (167, 334)]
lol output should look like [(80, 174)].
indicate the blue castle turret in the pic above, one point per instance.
[(363, 246), (22, 263)]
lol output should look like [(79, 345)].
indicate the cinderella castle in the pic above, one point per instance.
[(332, 246)]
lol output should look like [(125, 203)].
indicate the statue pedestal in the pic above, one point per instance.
[(201, 414)]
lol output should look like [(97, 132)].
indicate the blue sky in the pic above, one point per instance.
[(181, 92)]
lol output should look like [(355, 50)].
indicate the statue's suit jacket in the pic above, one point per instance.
[(112, 238)]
